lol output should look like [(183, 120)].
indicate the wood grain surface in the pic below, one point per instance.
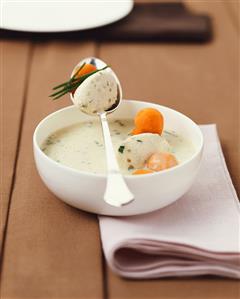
[(234, 10), (14, 69), (52, 251)]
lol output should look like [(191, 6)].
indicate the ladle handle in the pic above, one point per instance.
[(117, 192)]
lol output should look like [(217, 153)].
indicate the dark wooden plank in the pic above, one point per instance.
[(14, 65), (51, 249), (201, 81)]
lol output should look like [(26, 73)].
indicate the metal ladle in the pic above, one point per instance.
[(117, 192)]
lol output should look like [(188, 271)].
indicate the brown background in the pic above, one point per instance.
[(50, 250)]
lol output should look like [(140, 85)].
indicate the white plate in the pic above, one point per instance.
[(58, 16)]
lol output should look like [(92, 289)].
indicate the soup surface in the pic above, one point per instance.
[(81, 145)]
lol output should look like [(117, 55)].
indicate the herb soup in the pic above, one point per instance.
[(81, 145)]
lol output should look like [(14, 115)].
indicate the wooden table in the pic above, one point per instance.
[(50, 250)]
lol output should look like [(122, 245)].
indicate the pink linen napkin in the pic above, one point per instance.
[(196, 235)]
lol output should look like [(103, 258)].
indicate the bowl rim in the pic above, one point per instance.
[(131, 177)]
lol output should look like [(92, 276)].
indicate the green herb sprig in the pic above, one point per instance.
[(73, 83)]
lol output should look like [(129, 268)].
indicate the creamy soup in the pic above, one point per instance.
[(81, 145)]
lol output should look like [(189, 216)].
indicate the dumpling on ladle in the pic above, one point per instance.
[(97, 93)]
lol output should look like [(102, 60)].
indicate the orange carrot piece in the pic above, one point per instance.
[(142, 171), (148, 120), (161, 161), (88, 68)]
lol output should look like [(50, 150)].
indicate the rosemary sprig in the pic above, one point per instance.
[(72, 84)]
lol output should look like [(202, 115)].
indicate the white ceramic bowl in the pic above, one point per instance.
[(85, 190)]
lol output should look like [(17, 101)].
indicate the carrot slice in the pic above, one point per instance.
[(161, 161), (88, 68), (148, 120), (142, 171)]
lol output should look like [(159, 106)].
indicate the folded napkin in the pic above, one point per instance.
[(196, 235)]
